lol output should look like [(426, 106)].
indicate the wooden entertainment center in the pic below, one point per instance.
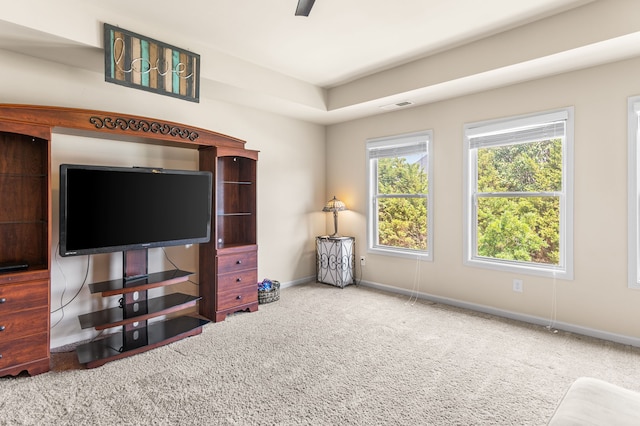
[(227, 264)]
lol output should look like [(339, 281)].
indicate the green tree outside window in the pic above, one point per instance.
[(402, 203), (518, 211)]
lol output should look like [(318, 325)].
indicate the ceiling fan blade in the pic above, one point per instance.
[(304, 7)]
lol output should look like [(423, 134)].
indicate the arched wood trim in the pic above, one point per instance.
[(116, 124)]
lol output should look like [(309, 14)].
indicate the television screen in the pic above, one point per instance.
[(109, 209)]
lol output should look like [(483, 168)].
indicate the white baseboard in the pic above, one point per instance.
[(545, 322), (72, 339), (305, 280)]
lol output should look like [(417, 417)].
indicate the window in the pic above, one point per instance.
[(518, 194), (399, 218), (634, 192)]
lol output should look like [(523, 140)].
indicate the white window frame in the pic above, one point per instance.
[(398, 141), (564, 269), (633, 217)]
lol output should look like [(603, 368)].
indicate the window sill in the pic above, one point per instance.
[(520, 268), (407, 254)]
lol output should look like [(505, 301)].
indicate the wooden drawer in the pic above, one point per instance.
[(227, 282), (237, 289), (237, 296), (23, 323), (26, 349), (237, 262), (17, 297)]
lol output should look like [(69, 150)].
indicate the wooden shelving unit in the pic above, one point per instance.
[(227, 270), (25, 215), (136, 334), (125, 344), (146, 282), (150, 308), (233, 285)]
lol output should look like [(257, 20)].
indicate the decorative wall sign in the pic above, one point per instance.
[(144, 63)]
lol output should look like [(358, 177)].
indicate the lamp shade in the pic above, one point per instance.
[(334, 205)]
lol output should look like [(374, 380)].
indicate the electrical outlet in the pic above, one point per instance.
[(518, 286), (363, 261)]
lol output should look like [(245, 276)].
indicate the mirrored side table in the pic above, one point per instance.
[(335, 260)]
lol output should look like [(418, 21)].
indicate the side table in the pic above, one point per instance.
[(335, 259)]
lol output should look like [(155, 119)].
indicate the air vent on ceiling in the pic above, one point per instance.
[(402, 104)]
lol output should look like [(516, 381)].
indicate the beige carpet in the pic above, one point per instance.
[(326, 356)]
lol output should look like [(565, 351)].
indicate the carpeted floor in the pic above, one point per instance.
[(328, 356)]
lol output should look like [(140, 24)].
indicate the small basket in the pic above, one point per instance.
[(268, 296)]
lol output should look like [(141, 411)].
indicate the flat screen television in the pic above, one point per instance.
[(110, 209)]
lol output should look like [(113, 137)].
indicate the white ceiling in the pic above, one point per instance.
[(340, 40), (347, 59)]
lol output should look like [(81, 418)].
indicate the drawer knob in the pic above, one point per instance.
[(238, 279), (2, 300), (239, 262), (239, 297), (2, 327)]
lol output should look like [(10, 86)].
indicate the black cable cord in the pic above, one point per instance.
[(176, 266), (96, 336), (170, 261), (84, 281)]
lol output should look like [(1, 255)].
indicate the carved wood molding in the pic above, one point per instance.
[(144, 126), (116, 124)]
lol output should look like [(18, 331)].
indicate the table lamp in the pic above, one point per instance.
[(334, 205)]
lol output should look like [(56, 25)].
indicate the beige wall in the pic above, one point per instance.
[(598, 299), (302, 165), (291, 175)]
